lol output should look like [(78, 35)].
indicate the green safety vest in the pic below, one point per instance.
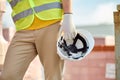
[(24, 11)]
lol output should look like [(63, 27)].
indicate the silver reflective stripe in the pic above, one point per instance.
[(22, 14), (14, 2), (48, 6), (37, 9)]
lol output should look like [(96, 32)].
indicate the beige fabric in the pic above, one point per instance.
[(24, 48)]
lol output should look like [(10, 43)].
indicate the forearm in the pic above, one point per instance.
[(67, 6), (2, 6)]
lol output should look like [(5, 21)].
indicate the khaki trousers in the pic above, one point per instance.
[(25, 45)]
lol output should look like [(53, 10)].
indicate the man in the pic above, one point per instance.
[(37, 24)]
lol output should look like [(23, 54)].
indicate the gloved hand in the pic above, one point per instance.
[(67, 27)]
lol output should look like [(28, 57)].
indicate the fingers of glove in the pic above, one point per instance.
[(68, 36), (60, 31)]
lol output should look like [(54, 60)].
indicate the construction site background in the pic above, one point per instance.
[(98, 65)]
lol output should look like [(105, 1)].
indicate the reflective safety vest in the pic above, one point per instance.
[(24, 11)]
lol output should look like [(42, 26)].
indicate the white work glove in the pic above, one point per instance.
[(67, 27)]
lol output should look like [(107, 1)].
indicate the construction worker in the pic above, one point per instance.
[(37, 26)]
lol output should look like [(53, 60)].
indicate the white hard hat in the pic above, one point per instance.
[(77, 48)]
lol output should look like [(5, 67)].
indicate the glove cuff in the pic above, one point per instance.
[(68, 17)]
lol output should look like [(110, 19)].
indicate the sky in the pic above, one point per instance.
[(90, 12), (85, 12)]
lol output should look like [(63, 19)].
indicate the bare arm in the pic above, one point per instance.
[(2, 10), (2, 7), (67, 6)]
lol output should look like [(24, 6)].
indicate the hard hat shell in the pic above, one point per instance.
[(77, 48)]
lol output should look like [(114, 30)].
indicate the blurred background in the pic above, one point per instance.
[(96, 16)]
